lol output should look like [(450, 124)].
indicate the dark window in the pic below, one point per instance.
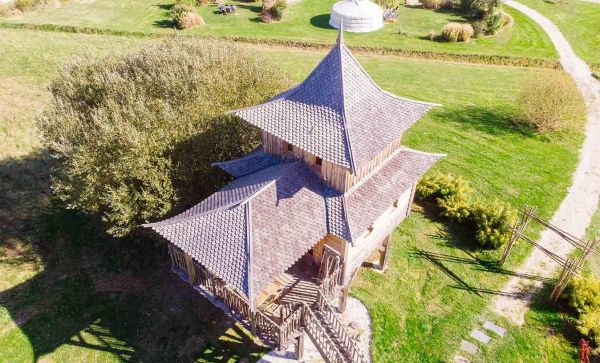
[(319, 161), (395, 203), (290, 147)]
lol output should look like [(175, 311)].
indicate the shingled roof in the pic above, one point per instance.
[(350, 214), (338, 113), (255, 228)]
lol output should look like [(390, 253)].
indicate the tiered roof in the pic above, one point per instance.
[(259, 225), (338, 113)]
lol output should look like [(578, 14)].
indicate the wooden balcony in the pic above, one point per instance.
[(295, 303)]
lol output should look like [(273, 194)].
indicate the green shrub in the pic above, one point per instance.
[(490, 223), (457, 32), (480, 8), (584, 296), (588, 324), (457, 207), (479, 28), (494, 23), (493, 223), (551, 102), (584, 293), (442, 186), (134, 135)]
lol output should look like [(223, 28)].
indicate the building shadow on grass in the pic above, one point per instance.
[(94, 292), (321, 21)]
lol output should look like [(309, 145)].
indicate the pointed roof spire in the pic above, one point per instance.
[(340, 38), (338, 113)]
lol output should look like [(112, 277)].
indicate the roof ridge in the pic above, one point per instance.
[(341, 46), (419, 152), (174, 220)]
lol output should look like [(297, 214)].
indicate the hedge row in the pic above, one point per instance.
[(369, 50)]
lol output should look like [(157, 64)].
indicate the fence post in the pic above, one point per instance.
[(300, 346)]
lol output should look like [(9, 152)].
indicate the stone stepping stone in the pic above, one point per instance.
[(480, 336), (495, 328), (461, 359), (469, 347)]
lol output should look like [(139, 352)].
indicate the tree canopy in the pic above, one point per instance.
[(134, 135)]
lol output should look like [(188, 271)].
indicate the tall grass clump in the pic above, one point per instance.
[(185, 16), (457, 32), (134, 135), (551, 102), (273, 10)]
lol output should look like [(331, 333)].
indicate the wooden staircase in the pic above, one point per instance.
[(324, 327)]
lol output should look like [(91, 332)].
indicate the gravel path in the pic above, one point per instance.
[(576, 210)]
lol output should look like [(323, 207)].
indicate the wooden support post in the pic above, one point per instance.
[(252, 319), (343, 299), (300, 346), (189, 264), (384, 255)]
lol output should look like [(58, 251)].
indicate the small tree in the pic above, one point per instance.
[(550, 101), (134, 135)]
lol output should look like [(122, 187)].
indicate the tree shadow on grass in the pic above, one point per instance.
[(94, 292), (489, 120), (165, 23)]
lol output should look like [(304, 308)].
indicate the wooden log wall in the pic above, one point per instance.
[(336, 176)]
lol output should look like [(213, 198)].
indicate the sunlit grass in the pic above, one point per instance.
[(419, 303), (306, 20)]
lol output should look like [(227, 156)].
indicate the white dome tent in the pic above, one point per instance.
[(357, 16)]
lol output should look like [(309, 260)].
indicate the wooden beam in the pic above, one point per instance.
[(384, 256), (189, 264), (343, 299)]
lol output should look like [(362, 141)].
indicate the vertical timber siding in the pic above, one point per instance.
[(339, 178)]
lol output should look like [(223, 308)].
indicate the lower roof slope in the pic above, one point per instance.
[(259, 225)]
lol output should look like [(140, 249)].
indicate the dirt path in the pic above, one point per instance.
[(576, 210)]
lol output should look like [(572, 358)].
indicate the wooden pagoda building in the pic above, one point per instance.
[(279, 245)]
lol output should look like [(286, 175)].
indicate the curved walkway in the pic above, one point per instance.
[(575, 212)]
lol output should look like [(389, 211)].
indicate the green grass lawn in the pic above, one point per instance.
[(71, 296), (305, 21), (578, 20)]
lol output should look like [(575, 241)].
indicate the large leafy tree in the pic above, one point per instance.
[(134, 135)]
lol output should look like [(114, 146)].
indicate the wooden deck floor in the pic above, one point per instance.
[(296, 285)]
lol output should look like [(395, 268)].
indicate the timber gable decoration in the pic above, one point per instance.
[(327, 187)]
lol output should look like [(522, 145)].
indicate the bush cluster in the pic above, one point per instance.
[(489, 222), (551, 102), (134, 135), (457, 32), (487, 14), (584, 296), (273, 10), (185, 16)]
